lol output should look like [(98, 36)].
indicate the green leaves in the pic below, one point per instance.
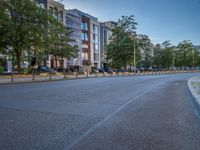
[(27, 30), (186, 54), (23, 27), (120, 51)]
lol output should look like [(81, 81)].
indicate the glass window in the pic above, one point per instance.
[(105, 37), (55, 13), (96, 47), (95, 29), (51, 10), (96, 57), (42, 5), (84, 36), (84, 26), (95, 38), (60, 16)]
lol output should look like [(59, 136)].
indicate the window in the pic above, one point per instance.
[(96, 57), (51, 10), (105, 32), (69, 22), (84, 26), (55, 14), (95, 29), (96, 47), (60, 16), (42, 5), (95, 38), (84, 36)]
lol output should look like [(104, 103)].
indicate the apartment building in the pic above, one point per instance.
[(87, 36), (57, 10), (73, 22)]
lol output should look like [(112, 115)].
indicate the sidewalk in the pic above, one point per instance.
[(59, 76), (194, 86), (47, 77)]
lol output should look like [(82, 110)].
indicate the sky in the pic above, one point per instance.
[(161, 20)]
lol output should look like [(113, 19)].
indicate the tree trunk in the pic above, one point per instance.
[(62, 64), (18, 59), (56, 63), (63, 68)]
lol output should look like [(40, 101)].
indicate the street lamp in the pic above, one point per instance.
[(193, 58), (173, 59), (134, 56)]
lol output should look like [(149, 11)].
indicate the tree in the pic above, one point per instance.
[(187, 54), (157, 54), (120, 51), (167, 54), (24, 23), (59, 42), (146, 51)]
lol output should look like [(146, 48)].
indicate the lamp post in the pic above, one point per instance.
[(193, 58), (173, 59), (134, 56)]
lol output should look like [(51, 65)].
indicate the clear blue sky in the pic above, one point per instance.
[(174, 20)]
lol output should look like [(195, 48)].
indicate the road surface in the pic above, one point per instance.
[(153, 112)]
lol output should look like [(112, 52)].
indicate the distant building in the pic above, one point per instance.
[(105, 38), (43, 3), (56, 9)]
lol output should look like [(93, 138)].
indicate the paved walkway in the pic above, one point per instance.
[(194, 86), (46, 77)]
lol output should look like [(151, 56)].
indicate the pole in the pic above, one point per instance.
[(173, 60), (134, 56), (134, 63), (33, 73), (12, 75), (76, 73), (193, 59)]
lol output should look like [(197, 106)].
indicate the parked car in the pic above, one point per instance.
[(44, 69), (99, 70)]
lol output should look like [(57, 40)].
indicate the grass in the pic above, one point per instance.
[(196, 85)]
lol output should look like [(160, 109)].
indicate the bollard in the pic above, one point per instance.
[(33, 74), (76, 74), (50, 75)]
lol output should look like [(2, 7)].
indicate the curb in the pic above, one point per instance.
[(193, 91)]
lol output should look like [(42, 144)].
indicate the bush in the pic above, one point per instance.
[(1, 69), (27, 70)]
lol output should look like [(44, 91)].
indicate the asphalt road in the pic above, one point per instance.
[(152, 112)]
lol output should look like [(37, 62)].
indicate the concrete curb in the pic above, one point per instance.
[(193, 91)]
